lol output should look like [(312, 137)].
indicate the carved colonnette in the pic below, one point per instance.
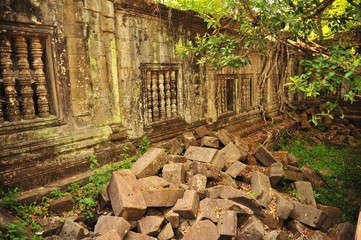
[(225, 99)]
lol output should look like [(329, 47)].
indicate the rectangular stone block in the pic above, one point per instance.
[(187, 206), (106, 224), (189, 139), (174, 173), (153, 182), (209, 141), (308, 215), (224, 137), (149, 164), (200, 154), (125, 195), (163, 197), (150, 225), (233, 153), (235, 169), (227, 223), (201, 131), (176, 159), (305, 191), (283, 207), (264, 156), (137, 236), (172, 218), (261, 185)]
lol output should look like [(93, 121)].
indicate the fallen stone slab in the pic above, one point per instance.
[(294, 176), (224, 137), (187, 206), (111, 235), (198, 183), (282, 156), (211, 208), (334, 217), (176, 158), (62, 204), (106, 224), (150, 225), (173, 146), (206, 169), (214, 192), (200, 154), (166, 233), (305, 192), (308, 215), (271, 220), (227, 223), (153, 182), (174, 173), (172, 218), (209, 141), (162, 197), (283, 206), (72, 231), (264, 156), (202, 230), (201, 132), (261, 185), (252, 229), (343, 231), (233, 153), (150, 163), (276, 173), (227, 180), (313, 177), (235, 169), (189, 139), (125, 195), (137, 236)]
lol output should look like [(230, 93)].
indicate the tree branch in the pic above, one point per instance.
[(320, 9), (354, 4)]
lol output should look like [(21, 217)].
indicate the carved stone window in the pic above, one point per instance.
[(161, 91), (225, 99), (246, 91), (26, 75)]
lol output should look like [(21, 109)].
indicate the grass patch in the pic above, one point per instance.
[(343, 177)]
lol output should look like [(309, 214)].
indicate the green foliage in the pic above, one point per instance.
[(345, 178), (7, 199), (144, 145), (57, 193)]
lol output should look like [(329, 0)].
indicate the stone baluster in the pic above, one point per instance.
[(40, 79), (173, 91), (155, 96), (168, 106), (243, 93), (223, 94), (12, 104), (24, 78), (161, 95), (149, 96)]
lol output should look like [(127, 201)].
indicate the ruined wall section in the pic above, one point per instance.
[(146, 39)]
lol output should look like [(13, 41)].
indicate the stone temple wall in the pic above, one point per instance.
[(81, 77)]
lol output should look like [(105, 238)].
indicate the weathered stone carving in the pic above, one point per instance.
[(246, 91), (24, 78), (173, 87), (40, 79), (12, 104)]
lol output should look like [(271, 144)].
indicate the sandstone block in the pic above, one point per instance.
[(235, 169), (310, 216), (276, 173), (334, 216), (233, 153), (252, 229), (200, 154), (198, 183), (72, 231), (225, 179), (214, 192), (174, 173), (166, 233), (111, 235), (176, 159), (261, 185), (344, 231), (270, 220), (219, 160), (201, 131), (202, 230), (153, 182), (162, 197), (305, 192), (137, 236), (209, 141), (62, 204), (205, 169), (313, 177), (149, 164), (294, 176), (264, 156), (150, 225), (189, 139), (107, 224), (283, 207), (187, 206), (125, 195), (173, 146), (172, 218), (282, 156), (224, 137), (227, 223)]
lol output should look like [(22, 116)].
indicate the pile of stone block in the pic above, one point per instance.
[(210, 193)]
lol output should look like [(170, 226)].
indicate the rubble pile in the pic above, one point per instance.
[(337, 132), (211, 193)]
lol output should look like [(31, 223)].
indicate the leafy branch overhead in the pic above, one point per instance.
[(238, 28)]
